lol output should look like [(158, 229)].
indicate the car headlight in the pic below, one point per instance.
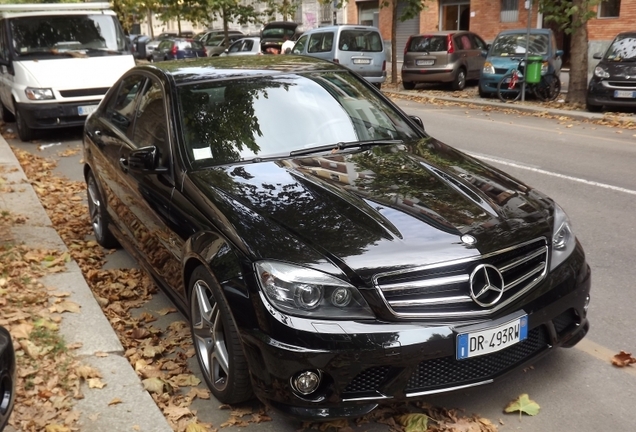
[(302, 291), (544, 67), (39, 93), (600, 72), (488, 68), (563, 239)]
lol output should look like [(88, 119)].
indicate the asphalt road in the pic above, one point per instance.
[(589, 170)]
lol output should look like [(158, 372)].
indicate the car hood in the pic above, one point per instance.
[(621, 70), (374, 209)]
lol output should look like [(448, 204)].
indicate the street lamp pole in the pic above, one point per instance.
[(525, 61)]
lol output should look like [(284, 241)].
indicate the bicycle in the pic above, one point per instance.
[(510, 86)]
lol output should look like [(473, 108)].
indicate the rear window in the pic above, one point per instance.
[(623, 48), (360, 40), (428, 44), (511, 44), (190, 45)]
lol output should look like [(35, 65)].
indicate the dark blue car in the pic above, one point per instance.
[(509, 48), (178, 48)]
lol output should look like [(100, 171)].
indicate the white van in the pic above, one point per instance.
[(57, 61), (359, 48)]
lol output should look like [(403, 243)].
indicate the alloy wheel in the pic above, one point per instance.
[(95, 207), (208, 335)]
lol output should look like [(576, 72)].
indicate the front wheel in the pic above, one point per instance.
[(509, 88), (24, 131), (216, 341), (408, 85), (98, 214)]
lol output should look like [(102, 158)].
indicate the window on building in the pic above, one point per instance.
[(326, 13), (509, 10), (609, 9), (366, 11)]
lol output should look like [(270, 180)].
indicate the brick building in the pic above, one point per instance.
[(489, 17)]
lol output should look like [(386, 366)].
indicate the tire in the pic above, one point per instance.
[(24, 131), (98, 214), (593, 108), (460, 80), (408, 85), (505, 93), (216, 341), (378, 85), (7, 116), (483, 94), (548, 88)]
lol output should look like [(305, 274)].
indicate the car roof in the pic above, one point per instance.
[(442, 33), (214, 68), (341, 27)]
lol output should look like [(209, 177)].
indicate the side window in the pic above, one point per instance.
[(479, 42), (150, 128), (4, 48), (235, 47), (121, 108), (300, 45), (248, 45), (320, 42)]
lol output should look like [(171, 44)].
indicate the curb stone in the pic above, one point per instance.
[(90, 328)]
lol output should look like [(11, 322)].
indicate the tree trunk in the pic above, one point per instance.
[(394, 19), (577, 87)]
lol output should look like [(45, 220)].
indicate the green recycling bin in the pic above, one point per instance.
[(533, 71)]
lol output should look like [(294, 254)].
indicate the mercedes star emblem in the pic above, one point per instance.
[(486, 285)]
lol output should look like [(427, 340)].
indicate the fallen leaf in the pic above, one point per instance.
[(115, 401), (623, 359), (95, 383), (154, 385), (524, 405), (414, 422)]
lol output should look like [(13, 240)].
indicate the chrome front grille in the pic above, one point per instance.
[(443, 290)]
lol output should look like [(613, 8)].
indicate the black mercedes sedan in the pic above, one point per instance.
[(7, 377), (330, 255)]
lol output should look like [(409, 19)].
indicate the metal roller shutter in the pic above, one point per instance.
[(404, 30)]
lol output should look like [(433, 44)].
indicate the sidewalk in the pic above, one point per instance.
[(90, 328)]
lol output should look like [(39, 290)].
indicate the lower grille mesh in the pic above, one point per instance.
[(369, 380), (448, 372)]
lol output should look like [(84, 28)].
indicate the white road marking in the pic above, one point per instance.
[(553, 174)]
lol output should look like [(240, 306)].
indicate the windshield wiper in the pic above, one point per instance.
[(342, 146)]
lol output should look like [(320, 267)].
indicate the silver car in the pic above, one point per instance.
[(443, 57), (244, 46)]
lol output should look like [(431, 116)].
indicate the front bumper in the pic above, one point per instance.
[(603, 93), (488, 83), (54, 115), (365, 364)]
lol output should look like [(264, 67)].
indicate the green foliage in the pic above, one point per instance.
[(566, 14), (286, 8)]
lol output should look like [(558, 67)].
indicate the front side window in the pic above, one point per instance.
[(509, 10), (68, 36), (150, 126), (120, 110), (609, 9), (235, 47), (300, 45), (238, 120)]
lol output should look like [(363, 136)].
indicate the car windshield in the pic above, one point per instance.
[(360, 40), (623, 48), (511, 44), (44, 36), (254, 118), (428, 44)]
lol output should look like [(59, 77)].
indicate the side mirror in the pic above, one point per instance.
[(559, 53), (418, 121), (597, 56), (145, 160), (484, 53)]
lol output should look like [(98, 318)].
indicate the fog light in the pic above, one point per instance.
[(587, 304), (306, 382)]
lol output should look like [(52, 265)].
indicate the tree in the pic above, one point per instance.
[(286, 8), (572, 16)]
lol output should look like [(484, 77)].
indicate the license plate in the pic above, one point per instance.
[(86, 110), (361, 61), (624, 94), (478, 343), (425, 62)]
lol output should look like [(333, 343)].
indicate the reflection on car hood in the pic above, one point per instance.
[(381, 207), (625, 70)]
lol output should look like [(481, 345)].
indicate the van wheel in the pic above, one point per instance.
[(378, 85), (460, 80), (7, 116), (24, 131), (408, 85)]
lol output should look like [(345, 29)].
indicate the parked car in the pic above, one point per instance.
[(275, 33), (216, 45), (244, 46), (203, 37), (443, 57), (509, 48), (7, 377), (360, 48), (342, 259), (613, 84), (176, 49)]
